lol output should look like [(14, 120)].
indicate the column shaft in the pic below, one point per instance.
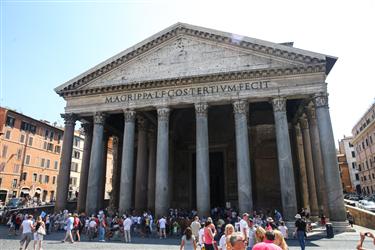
[(245, 199), (81, 203), (151, 171), (162, 157), (302, 168), (66, 161), (309, 167), (113, 202), (141, 170), (103, 172), (318, 161), (336, 207), (93, 186), (202, 160), (127, 168), (288, 192)]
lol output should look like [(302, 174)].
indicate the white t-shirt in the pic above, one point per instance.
[(92, 224), (26, 226), (127, 223), (162, 223), (223, 242), (283, 230), (244, 227), (201, 234)]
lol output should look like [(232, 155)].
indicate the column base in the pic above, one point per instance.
[(341, 226)]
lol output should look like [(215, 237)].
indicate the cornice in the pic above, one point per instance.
[(181, 30), (216, 77)]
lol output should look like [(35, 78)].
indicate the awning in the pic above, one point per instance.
[(38, 191), (25, 191)]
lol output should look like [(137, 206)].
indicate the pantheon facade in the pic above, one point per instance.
[(201, 118)]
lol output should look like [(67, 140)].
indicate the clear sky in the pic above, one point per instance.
[(46, 43)]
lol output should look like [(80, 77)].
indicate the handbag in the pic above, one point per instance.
[(41, 230)]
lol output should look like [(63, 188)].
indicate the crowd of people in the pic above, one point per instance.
[(223, 230)]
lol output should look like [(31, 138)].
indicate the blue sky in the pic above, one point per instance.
[(46, 43)]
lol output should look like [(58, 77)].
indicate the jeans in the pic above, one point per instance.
[(101, 233), (301, 239)]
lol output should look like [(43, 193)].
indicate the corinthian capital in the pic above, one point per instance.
[(240, 107), (201, 108), (69, 118), (129, 115), (321, 100), (99, 118), (303, 122), (279, 104), (87, 126), (142, 122), (163, 113)]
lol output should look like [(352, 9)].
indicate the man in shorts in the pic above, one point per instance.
[(27, 229)]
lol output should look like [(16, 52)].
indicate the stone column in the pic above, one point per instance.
[(103, 171), (245, 198), (93, 186), (66, 161), (81, 203), (302, 168), (336, 207), (162, 157), (318, 161), (127, 168), (314, 210), (113, 201), (151, 170), (288, 192), (202, 160), (141, 170)]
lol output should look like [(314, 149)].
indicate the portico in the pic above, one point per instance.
[(205, 120)]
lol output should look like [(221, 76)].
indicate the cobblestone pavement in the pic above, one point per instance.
[(343, 241)]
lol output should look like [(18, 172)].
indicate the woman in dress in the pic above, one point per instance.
[(40, 231), (209, 235), (188, 240)]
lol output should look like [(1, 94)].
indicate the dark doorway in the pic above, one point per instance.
[(217, 194)]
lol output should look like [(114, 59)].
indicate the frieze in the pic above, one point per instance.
[(191, 91)]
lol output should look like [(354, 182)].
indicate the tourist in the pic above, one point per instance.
[(279, 240), (225, 238), (76, 226), (251, 235), (92, 230), (237, 241), (188, 240), (48, 223), (26, 228), (350, 218), (244, 226), (127, 227), (270, 224), (195, 226), (69, 227), (201, 235), (362, 238), (260, 234), (278, 217), (40, 231), (283, 229), (300, 232), (209, 235), (102, 226), (267, 244), (162, 227)]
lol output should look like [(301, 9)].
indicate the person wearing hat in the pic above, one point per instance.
[(300, 232), (270, 224)]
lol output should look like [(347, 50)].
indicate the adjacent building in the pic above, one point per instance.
[(75, 169), (29, 157), (364, 144), (344, 174), (346, 148)]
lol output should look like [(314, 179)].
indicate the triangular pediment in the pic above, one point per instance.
[(183, 51)]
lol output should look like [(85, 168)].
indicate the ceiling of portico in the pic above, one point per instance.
[(183, 51)]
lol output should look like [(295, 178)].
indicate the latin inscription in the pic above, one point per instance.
[(191, 91)]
